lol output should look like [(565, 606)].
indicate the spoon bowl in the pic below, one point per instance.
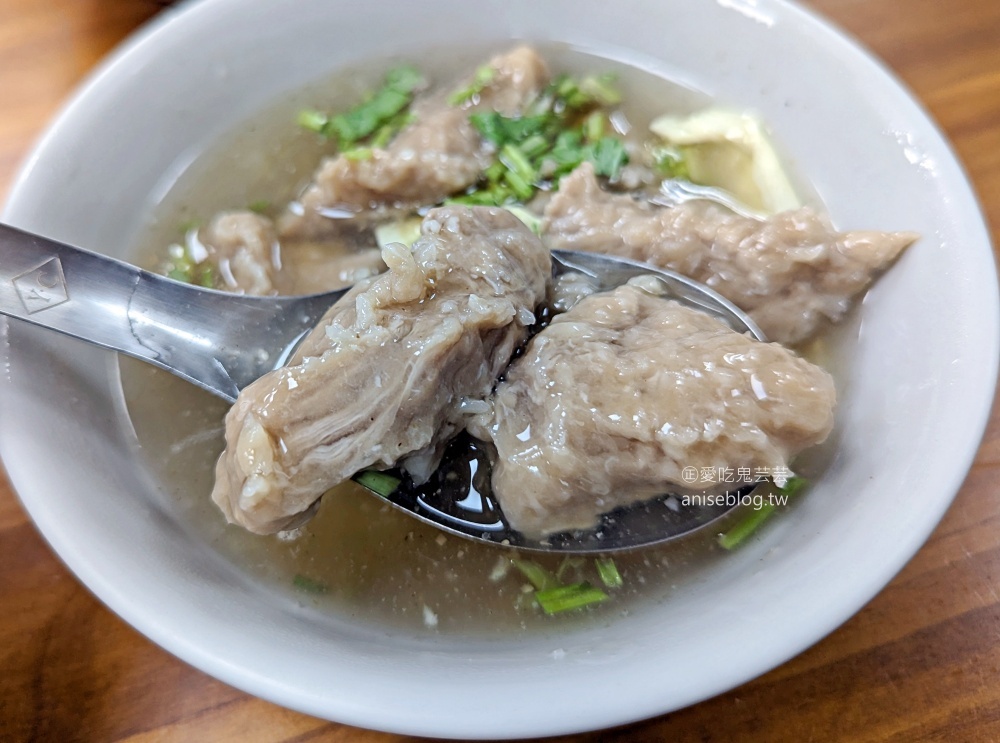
[(222, 342), (674, 191)]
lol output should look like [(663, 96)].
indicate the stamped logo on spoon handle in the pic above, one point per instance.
[(43, 287)]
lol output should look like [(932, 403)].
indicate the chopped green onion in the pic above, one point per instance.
[(304, 583), (521, 188), (563, 127), (793, 486), (180, 266), (495, 171), (180, 274), (260, 206), (483, 77), (534, 146), (742, 530), (601, 89), (383, 136), (482, 197), (381, 483), (516, 161), (569, 563), (567, 93), (608, 571), (531, 220), (593, 126), (670, 162), (207, 277), (358, 153), (593, 90), (187, 225), (538, 576), (565, 598), (314, 121)]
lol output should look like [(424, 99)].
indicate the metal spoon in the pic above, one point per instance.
[(222, 342), (674, 191)]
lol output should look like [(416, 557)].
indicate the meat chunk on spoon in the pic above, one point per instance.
[(439, 154), (615, 398), (384, 378), (790, 272)]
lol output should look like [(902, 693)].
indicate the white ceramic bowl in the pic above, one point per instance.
[(917, 394)]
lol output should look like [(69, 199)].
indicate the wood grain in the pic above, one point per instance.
[(920, 663)]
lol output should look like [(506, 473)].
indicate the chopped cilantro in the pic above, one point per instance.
[(568, 151), (500, 129), (608, 156)]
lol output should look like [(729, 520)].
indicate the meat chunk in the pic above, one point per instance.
[(382, 378), (790, 272), (249, 258), (439, 154), (244, 249), (615, 398)]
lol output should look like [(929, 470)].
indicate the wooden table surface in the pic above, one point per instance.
[(920, 663)]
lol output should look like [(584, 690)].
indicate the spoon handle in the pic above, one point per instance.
[(219, 341)]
